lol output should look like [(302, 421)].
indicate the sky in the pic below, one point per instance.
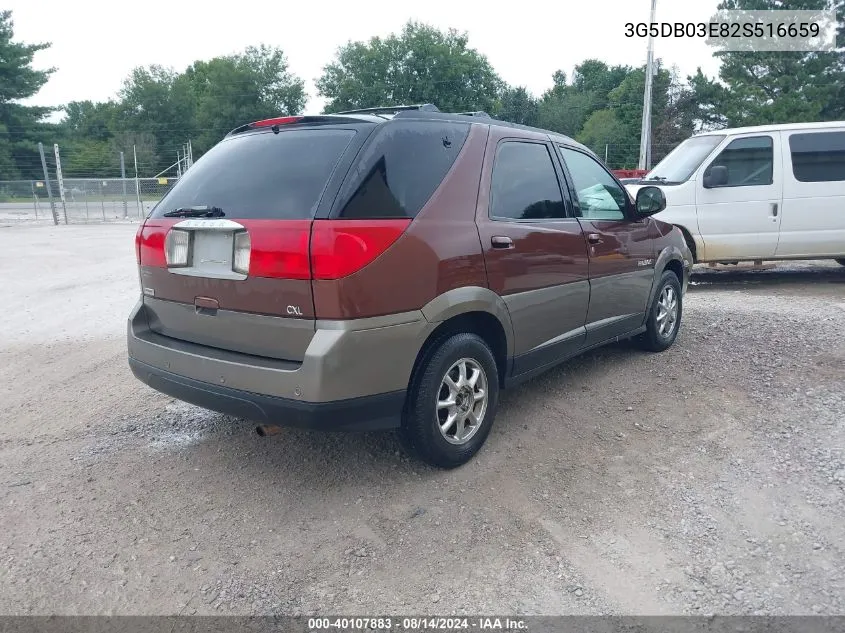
[(96, 43)]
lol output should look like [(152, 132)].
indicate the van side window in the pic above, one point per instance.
[(749, 161), (818, 157), (599, 196), (524, 183)]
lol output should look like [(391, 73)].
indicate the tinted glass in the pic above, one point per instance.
[(818, 157), (749, 161), (262, 175), (401, 168), (524, 184), (599, 196)]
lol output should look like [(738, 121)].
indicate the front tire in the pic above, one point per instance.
[(664, 315), (452, 401)]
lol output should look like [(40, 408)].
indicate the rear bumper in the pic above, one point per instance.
[(368, 413), (353, 375)]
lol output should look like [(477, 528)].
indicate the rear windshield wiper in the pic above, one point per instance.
[(195, 212)]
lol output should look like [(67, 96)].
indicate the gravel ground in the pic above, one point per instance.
[(707, 479)]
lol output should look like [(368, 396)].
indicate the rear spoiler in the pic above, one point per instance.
[(421, 107), (277, 122), (478, 113)]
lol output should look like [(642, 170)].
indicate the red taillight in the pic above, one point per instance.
[(281, 120), (138, 234), (149, 242), (279, 248), (291, 249), (342, 247)]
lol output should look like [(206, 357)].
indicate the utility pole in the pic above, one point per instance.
[(47, 184), (60, 179), (645, 131), (137, 184), (123, 182)]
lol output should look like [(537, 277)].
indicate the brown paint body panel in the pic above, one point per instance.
[(438, 252), (258, 295), (620, 276), (543, 277)]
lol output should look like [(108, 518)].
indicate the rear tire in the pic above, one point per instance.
[(664, 315), (452, 401)]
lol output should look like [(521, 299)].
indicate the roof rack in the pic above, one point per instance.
[(478, 113), (423, 107)]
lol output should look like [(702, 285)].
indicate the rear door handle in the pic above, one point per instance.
[(594, 238), (500, 241), (774, 209)]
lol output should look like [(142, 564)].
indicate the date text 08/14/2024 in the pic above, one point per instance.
[(422, 623)]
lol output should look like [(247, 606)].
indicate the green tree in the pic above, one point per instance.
[(566, 107), (602, 107), (626, 101), (140, 144), (598, 79), (517, 106), (678, 119), (19, 125), (226, 92), (603, 131), (759, 87), (90, 120), (154, 101), (565, 112), (163, 108), (419, 65)]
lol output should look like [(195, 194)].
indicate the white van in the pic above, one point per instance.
[(758, 193)]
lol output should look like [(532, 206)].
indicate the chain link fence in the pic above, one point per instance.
[(86, 200)]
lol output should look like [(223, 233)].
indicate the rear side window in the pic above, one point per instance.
[(818, 157), (264, 175), (524, 183), (399, 170)]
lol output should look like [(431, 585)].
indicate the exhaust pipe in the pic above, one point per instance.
[(266, 429)]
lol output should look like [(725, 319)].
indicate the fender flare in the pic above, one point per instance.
[(668, 254), (697, 241), (460, 301)]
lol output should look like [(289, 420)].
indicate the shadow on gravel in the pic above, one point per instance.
[(781, 277), (305, 461)]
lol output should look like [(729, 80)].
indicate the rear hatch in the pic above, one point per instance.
[(224, 258)]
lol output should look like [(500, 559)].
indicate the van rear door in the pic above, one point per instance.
[(813, 223)]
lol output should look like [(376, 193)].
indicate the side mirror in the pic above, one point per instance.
[(650, 200), (716, 176)]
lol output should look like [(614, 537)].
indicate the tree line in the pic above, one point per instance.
[(158, 109)]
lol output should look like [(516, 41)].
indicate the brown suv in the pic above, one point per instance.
[(394, 269)]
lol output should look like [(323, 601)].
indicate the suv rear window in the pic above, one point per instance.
[(401, 168), (263, 175)]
